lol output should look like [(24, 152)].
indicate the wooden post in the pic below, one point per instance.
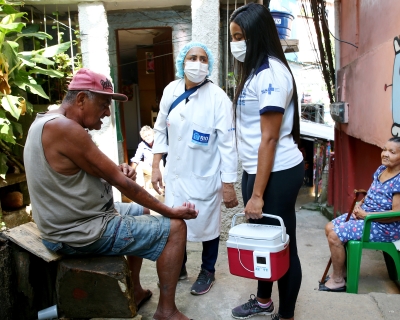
[(316, 172), (70, 38)]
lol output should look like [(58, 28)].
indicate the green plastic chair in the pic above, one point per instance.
[(354, 251)]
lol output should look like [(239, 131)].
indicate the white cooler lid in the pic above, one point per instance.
[(256, 231)]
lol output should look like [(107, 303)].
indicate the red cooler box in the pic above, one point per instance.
[(258, 251)]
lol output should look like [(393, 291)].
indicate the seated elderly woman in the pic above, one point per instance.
[(383, 196)]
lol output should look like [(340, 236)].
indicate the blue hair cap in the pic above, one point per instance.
[(182, 54)]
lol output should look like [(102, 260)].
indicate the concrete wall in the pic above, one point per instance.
[(205, 29), (354, 163), (370, 25), (227, 214), (94, 45), (180, 23)]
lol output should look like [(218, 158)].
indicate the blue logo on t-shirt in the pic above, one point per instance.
[(200, 138), (270, 89), (242, 98)]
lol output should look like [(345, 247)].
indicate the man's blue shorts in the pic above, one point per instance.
[(131, 233)]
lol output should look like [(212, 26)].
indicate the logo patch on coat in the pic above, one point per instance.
[(200, 138)]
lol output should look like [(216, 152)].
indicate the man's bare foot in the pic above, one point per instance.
[(170, 315), (141, 297)]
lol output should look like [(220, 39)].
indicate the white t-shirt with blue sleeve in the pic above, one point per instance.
[(269, 90)]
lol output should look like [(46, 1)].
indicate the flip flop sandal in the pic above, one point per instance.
[(323, 287), (145, 299), (328, 277)]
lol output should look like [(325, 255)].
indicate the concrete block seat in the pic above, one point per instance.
[(94, 287), (86, 287)]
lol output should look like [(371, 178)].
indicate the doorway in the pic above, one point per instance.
[(145, 60)]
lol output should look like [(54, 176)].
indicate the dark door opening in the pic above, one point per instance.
[(145, 60)]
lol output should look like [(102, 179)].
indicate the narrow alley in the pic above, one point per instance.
[(377, 299)]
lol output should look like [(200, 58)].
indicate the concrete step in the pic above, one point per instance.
[(378, 296)]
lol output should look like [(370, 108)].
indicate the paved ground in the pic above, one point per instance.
[(378, 297)]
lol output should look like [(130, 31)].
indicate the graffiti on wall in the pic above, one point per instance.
[(396, 89)]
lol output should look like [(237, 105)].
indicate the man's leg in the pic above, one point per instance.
[(140, 294), (135, 264), (168, 268)]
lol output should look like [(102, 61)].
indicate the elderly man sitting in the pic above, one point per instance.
[(70, 181)]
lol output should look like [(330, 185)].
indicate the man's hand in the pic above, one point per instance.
[(186, 211), (128, 171), (229, 195), (156, 180), (253, 208)]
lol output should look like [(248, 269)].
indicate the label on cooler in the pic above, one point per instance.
[(262, 264)]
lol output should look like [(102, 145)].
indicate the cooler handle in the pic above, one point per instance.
[(264, 215)]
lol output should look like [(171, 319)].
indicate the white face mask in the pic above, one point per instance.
[(196, 71), (238, 49)]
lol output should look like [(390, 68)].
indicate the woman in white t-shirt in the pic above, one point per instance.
[(267, 124)]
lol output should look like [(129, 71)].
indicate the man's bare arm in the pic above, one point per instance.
[(69, 148)]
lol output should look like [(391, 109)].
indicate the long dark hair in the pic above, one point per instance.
[(262, 41)]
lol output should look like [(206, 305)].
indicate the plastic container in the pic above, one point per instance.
[(258, 251), (283, 22), (48, 313)]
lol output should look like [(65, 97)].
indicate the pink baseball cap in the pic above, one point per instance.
[(89, 80)]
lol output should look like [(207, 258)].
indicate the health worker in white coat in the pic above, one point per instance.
[(195, 128)]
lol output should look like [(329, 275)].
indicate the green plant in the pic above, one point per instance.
[(18, 74), (64, 63), (232, 81)]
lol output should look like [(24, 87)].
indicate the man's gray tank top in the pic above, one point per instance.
[(70, 209)]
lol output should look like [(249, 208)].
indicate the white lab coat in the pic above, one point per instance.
[(201, 153)]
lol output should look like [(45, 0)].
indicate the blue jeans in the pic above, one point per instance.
[(129, 233)]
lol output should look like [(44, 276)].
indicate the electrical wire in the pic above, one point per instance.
[(154, 57), (309, 34), (326, 24), (148, 17), (177, 40), (154, 19)]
